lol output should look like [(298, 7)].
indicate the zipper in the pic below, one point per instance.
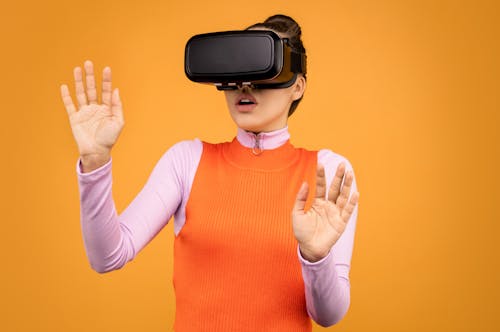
[(257, 150)]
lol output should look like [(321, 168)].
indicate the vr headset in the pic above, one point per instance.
[(231, 59)]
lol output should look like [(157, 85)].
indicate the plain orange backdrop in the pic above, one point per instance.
[(408, 91)]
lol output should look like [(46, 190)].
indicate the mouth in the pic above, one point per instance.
[(246, 99), (245, 102)]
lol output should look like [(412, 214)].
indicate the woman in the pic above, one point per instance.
[(238, 263)]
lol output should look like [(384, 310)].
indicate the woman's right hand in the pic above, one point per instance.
[(95, 126)]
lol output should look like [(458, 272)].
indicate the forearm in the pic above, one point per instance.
[(327, 293), (102, 232)]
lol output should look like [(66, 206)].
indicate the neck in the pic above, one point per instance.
[(264, 140)]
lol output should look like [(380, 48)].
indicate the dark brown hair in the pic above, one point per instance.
[(288, 28)]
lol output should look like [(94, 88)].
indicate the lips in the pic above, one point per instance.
[(246, 99), (245, 103)]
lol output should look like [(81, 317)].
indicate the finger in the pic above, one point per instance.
[(116, 105), (90, 80), (300, 201), (106, 86), (67, 100), (320, 182), (346, 213), (346, 188), (334, 191), (80, 92)]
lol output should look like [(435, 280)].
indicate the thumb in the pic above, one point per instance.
[(116, 104), (300, 201)]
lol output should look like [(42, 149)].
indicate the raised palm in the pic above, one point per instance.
[(95, 126), (319, 228)]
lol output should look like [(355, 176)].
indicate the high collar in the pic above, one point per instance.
[(263, 151), (265, 140)]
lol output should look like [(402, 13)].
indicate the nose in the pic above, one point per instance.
[(244, 88)]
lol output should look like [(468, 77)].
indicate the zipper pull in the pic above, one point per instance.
[(256, 150)]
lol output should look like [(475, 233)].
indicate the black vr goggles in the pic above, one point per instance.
[(231, 59)]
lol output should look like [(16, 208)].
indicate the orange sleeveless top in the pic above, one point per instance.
[(235, 260)]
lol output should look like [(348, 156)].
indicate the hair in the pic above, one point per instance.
[(290, 29)]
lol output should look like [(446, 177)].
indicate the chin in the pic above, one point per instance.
[(255, 122), (249, 126)]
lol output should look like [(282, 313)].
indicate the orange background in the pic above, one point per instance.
[(408, 91)]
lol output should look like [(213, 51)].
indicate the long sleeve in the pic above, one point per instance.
[(326, 282), (111, 240)]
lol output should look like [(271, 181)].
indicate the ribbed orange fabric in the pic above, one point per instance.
[(235, 260)]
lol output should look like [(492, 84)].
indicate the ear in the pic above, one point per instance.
[(299, 87)]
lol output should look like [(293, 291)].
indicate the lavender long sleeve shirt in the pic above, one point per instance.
[(111, 239)]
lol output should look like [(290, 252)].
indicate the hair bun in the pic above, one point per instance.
[(286, 23)]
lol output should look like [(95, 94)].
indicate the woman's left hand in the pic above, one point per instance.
[(319, 228)]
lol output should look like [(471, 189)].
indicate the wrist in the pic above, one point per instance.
[(310, 256), (93, 161)]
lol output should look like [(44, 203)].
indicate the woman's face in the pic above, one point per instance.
[(269, 110)]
